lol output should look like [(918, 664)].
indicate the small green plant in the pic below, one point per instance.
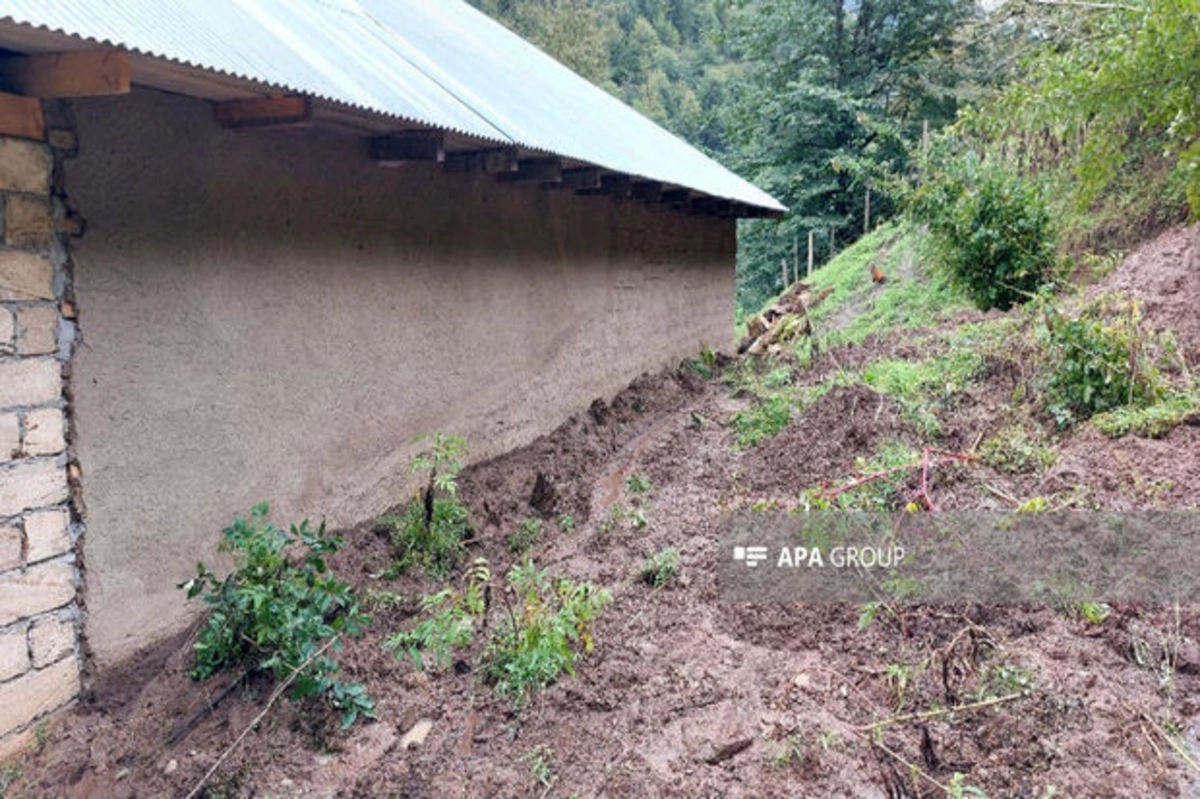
[(637, 483), (1004, 679), (277, 614), (544, 635), (566, 523), (661, 568), (615, 517), (522, 539), (9, 775), (898, 676), (450, 623), (1017, 450), (541, 764), (1101, 360), (789, 752), (1091, 612), (376, 600), (429, 534), (957, 788)]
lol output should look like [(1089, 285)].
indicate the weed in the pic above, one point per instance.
[(8, 777), (450, 624), (375, 599), (898, 676), (544, 636), (273, 614), (566, 523), (1102, 360), (790, 751), (1091, 612), (1152, 421), (637, 483), (764, 420), (616, 516), (957, 788), (661, 568), (522, 539), (637, 517), (1016, 450), (541, 764), (430, 532), (1005, 679)]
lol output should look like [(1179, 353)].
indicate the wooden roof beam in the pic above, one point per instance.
[(649, 190), (76, 73), (581, 180), (22, 117), (264, 112), (541, 170), (494, 161), (409, 145)]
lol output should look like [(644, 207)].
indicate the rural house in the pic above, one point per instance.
[(253, 248)]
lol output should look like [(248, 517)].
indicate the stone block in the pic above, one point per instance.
[(47, 534), (10, 437), (37, 330), (50, 640), (10, 548), (25, 276), (27, 222), (14, 652), (28, 485), (32, 381), (36, 693), (45, 432), (38, 589), (24, 166), (8, 332)]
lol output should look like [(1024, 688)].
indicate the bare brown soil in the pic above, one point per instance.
[(686, 696)]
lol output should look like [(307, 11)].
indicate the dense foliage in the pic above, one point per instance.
[(279, 614)]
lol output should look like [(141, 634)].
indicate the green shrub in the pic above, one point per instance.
[(1099, 361), (544, 636), (661, 568), (429, 534), (989, 228), (765, 419), (276, 614), (1017, 451), (450, 624)]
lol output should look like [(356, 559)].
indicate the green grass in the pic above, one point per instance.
[(1151, 421), (920, 386), (918, 299)]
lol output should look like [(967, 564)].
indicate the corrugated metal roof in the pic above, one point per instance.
[(435, 62)]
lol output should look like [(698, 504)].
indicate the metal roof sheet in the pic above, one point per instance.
[(435, 62)]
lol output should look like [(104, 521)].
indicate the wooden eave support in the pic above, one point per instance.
[(74, 73), (496, 161), (22, 117), (675, 196), (264, 112), (409, 145), (648, 190), (619, 186), (585, 179), (542, 170)]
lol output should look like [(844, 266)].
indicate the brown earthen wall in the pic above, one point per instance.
[(269, 315)]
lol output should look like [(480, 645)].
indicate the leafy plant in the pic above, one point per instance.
[(544, 636), (1100, 360), (1151, 421), (278, 614), (989, 228), (566, 523), (637, 483), (765, 419), (522, 539), (429, 534), (450, 624), (1017, 450), (661, 568), (541, 764)]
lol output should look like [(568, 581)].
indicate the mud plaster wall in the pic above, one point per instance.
[(269, 315)]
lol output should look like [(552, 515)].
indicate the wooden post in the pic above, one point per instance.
[(783, 263), (795, 257), (924, 136), (831, 242), (867, 212), (810, 255)]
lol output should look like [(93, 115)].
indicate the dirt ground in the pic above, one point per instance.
[(687, 696)]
